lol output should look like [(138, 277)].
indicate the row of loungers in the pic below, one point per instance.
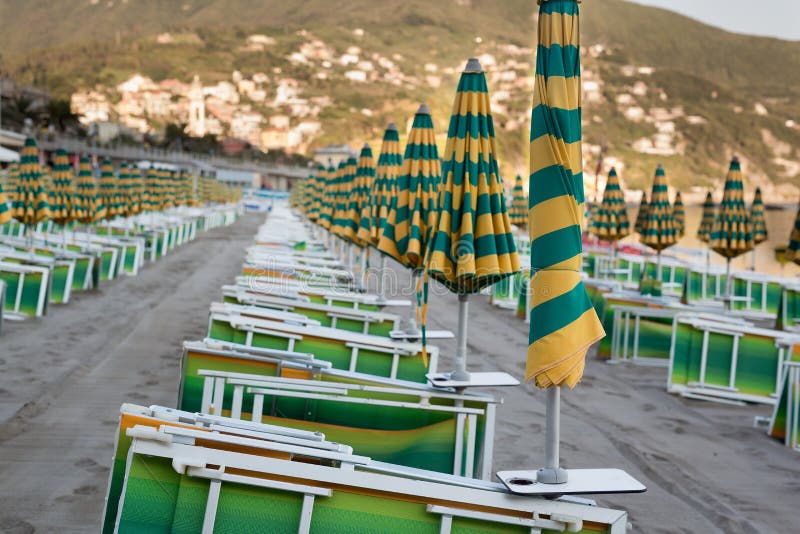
[(63, 261), (300, 413), (709, 353)]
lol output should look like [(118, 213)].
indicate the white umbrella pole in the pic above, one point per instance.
[(753, 259), (381, 267), (552, 473), (461, 374), (658, 266)]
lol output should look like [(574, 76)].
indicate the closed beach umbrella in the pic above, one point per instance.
[(638, 226), (563, 323), (707, 220), (108, 189), (757, 219), (137, 189), (384, 187), (611, 222), (5, 212), (759, 222), (315, 196), (792, 252), (340, 186), (62, 195), (732, 233), (679, 215), (328, 198), (472, 246), (154, 191), (412, 213), (12, 175), (365, 178), (90, 206), (518, 213), (658, 228), (30, 200)]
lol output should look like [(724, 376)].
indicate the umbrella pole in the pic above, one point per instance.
[(461, 374), (753, 264), (658, 265), (727, 284), (381, 267), (551, 473)]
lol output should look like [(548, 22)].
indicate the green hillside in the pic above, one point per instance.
[(706, 72)]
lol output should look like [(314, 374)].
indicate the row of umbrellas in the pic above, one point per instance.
[(36, 193), (730, 230)]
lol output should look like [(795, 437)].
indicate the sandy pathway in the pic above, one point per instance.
[(63, 378), (706, 468)]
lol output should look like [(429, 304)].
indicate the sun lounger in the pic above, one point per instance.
[(27, 289), (186, 472), (784, 424), (713, 360), (345, 350), (62, 271)]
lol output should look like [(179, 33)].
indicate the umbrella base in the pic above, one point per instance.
[(490, 379), (579, 481)]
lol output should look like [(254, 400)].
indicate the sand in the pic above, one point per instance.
[(62, 379)]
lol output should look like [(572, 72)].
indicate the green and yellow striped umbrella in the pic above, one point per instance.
[(472, 246), (336, 195), (611, 221), (658, 228), (12, 177), (365, 178), (328, 198), (563, 323), (317, 181), (413, 211), (296, 194), (62, 195), (30, 200), (152, 199), (732, 233), (168, 189), (108, 189), (137, 189), (707, 220), (792, 252), (757, 219), (384, 187), (5, 212), (679, 215), (641, 215), (342, 216), (518, 213), (125, 191), (90, 207)]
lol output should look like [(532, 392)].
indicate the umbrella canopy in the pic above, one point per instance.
[(30, 200), (62, 194), (518, 213), (472, 245), (12, 176), (340, 185), (384, 187), (792, 251), (732, 233), (90, 206), (359, 201), (412, 212), (5, 213), (563, 323), (108, 189), (611, 221), (757, 219), (707, 221), (679, 214), (153, 197), (137, 189), (167, 182), (125, 192), (658, 228), (328, 198), (641, 215), (317, 183)]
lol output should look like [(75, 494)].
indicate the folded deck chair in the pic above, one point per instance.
[(185, 472), (785, 422), (345, 350), (27, 289), (401, 422), (714, 360)]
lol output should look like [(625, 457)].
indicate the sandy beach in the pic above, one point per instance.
[(63, 378)]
